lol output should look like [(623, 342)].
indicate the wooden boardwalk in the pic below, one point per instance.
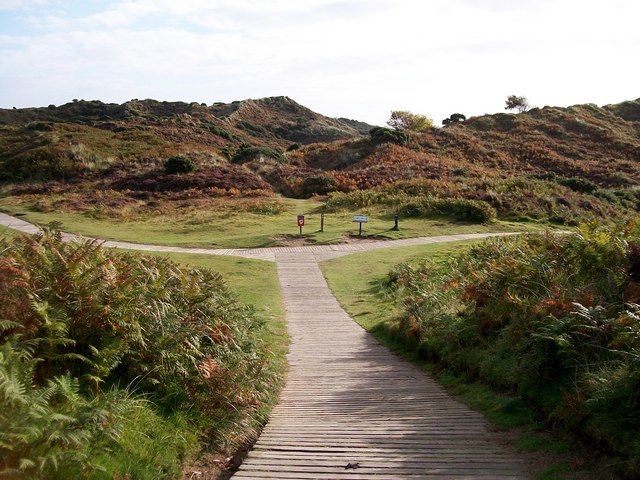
[(351, 409)]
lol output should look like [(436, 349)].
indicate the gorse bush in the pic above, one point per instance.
[(457, 208), (386, 135), (318, 185), (80, 321), (554, 318), (247, 153), (179, 164), (578, 184)]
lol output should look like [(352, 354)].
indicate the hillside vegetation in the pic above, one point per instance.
[(562, 165)]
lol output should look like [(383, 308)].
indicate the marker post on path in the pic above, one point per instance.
[(360, 219), (300, 223)]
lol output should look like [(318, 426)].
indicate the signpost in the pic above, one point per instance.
[(360, 219), (301, 222)]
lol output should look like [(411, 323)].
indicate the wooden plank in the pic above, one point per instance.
[(348, 400)]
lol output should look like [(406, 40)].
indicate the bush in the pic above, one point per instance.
[(578, 184), (454, 118), (458, 208), (318, 185), (248, 153), (179, 164), (78, 321), (380, 135)]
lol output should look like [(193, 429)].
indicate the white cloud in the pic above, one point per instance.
[(355, 58)]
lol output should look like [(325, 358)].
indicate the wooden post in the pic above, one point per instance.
[(360, 230), (322, 222), (395, 219)]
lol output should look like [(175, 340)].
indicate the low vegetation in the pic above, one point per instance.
[(563, 201), (103, 354), (554, 319), (179, 164)]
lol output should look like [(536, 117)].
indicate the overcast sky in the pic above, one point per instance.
[(344, 58)]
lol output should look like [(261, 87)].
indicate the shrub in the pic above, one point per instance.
[(454, 118), (578, 184), (318, 185), (553, 317), (403, 120), (386, 135), (179, 164), (84, 320), (458, 208), (248, 153)]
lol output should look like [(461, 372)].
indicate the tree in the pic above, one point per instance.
[(454, 118), (515, 102), (403, 120)]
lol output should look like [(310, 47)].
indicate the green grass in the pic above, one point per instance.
[(229, 228), (355, 279), (8, 232)]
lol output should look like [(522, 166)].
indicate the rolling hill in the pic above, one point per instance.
[(275, 145)]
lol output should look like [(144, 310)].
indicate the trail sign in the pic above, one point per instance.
[(360, 219)]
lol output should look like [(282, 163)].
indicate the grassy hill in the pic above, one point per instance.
[(84, 136)]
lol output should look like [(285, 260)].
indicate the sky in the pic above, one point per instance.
[(358, 59)]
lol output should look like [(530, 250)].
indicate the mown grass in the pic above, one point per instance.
[(227, 227)]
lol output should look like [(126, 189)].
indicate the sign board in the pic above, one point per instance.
[(361, 218), (301, 220)]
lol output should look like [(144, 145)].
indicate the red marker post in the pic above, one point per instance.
[(301, 222)]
